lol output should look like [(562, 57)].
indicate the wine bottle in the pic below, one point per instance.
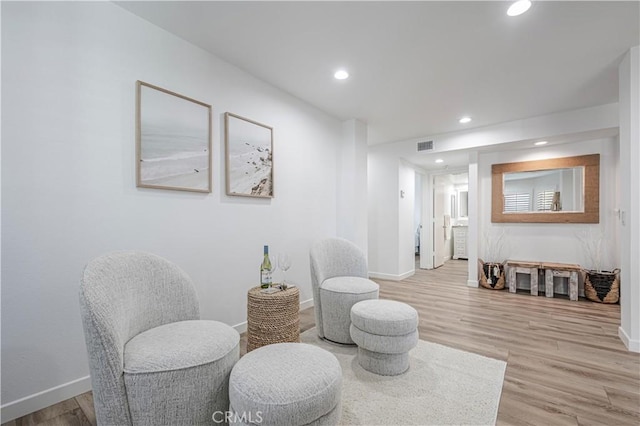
[(265, 269)]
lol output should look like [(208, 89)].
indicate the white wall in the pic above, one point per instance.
[(391, 233), (417, 205), (68, 186), (426, 236), (629, 224), (554, 242), (406, 233), (352, 178), (383, 193)]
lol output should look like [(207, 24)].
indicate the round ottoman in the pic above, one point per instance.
[(286, 384), (337, 296), (385, 331)]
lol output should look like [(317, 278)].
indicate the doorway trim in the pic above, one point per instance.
[(428, 178)]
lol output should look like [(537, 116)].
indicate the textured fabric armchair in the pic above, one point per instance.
[(152, 360), (339, 280)]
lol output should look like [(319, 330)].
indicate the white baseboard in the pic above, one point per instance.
[(632, 345), (391, 277), (242, 327), (46, 398), (306, 304), (472, 283)]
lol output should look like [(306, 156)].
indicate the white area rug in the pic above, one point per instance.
[(443, 386)]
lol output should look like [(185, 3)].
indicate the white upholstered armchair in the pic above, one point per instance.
[(152, 360), (339, 280)]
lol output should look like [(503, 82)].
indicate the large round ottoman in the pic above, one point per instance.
[(337, 296), (286, 384), (385, 331)]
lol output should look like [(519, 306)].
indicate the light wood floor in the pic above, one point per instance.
[(565, 363)]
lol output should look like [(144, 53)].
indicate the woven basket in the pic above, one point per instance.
[(272, 317), (487, 277), (602, 287)]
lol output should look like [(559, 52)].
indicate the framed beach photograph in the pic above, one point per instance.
[(249, 157), (173, 140)]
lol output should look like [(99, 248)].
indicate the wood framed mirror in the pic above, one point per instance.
[(557, 190)]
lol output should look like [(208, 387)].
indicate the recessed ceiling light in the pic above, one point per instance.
[(519, 7), (439, 160), (541, 143), (341, 75), (465, 120)]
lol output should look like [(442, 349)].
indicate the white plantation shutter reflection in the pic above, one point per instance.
[(544, 201), (520, 202)]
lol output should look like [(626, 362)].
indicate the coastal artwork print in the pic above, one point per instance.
[(173, 140), (249, 159)]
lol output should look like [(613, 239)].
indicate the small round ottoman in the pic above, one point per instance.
[(286, 384), (385, 331)]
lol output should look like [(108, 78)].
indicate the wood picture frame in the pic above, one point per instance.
[(248, 157), (173, 140), (591, 191)]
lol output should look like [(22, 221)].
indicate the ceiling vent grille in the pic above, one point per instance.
[(425, 146)]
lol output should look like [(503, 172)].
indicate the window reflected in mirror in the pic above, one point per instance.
[(544, 191)]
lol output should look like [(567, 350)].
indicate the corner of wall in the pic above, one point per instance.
[(632, 345)]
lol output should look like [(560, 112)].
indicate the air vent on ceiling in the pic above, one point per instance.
[(425, 146)]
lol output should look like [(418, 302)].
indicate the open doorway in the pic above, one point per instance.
[(445, 234), (460, 216), (441, 224), (418, 217)]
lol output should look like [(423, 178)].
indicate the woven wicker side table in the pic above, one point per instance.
[(272, 317)]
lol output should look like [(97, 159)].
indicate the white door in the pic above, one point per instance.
[(439, 203), (426, 234)]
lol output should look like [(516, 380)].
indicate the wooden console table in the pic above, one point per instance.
[(551, 270), (522, 267), (272, 317), (564, 270)]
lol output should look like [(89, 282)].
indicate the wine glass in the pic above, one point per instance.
[(284, 263), (274, 266)]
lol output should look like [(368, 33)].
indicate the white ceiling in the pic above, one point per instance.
[(416, 67)]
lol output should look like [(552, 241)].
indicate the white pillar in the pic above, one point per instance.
[(383, 221), (352, 184), (629, 216), (474, 220)]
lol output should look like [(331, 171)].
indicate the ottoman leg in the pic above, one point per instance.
[(383, 364)]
